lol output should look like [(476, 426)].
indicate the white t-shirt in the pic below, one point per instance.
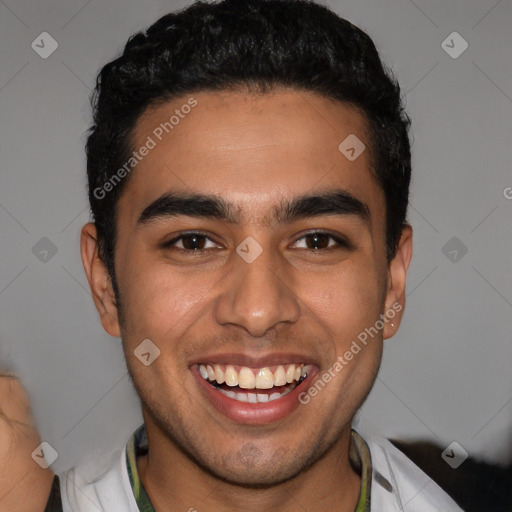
[(397, 484)]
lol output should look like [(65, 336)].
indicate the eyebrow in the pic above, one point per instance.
[(333, 202)]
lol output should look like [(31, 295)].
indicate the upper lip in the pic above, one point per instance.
[(253, 361)]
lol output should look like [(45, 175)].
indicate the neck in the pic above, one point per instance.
[(174, 482)]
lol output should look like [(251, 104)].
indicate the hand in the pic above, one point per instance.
[(24, 485)]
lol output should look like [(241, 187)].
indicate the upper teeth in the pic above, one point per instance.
[(249, 378)]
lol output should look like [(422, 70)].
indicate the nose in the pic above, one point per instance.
[(257, 296)]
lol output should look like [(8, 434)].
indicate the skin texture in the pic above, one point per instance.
[(21, 479), (253, 151)]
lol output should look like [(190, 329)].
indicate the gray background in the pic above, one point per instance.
[(445, 376)]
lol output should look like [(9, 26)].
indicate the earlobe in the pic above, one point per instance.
[(99, 280), (397, 276)]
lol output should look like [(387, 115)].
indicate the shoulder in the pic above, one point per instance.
[(397, 482), (100, 482)]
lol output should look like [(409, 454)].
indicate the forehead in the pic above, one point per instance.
[(251, 149)]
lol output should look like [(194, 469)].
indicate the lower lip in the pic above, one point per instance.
[(253, 414)]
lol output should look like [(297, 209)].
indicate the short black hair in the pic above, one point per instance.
[(262, 45)]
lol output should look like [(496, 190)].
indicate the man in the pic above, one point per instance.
[(249, 168)]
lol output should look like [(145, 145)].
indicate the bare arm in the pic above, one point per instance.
[(24, 485)]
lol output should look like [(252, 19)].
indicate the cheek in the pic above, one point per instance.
[(156, 301), (347, 300)]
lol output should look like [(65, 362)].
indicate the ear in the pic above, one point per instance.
[(99, 280), (397, 274)]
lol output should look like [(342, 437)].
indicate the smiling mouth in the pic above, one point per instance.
[(254, 385)]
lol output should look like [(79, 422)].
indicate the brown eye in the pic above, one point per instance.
[(190, 242), (318, 240), (193, 242)]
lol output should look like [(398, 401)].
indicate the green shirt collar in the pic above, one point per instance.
[(138, 445)]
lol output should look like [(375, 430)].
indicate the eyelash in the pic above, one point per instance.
[(340, 241)]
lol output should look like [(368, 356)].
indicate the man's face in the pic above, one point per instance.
[(302, 301)]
